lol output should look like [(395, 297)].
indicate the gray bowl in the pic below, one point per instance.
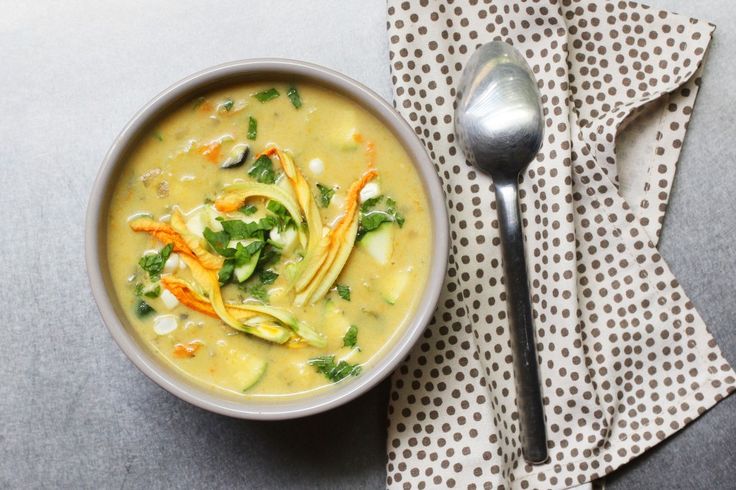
[(96, 240)]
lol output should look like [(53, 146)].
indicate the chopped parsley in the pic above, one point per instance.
[(391, 210), (343, 291), (228, 104), (226, 271), (269, 256), (281, 214), (252, 128), (266, 95), (240, 230), (219, 240), (243, 253), (350, 339), (371, 217), (258, 291), (248, 209), (240, 255), (154, 263), (152, 293), (157, 135), (371, 203), (334, 372), (294, 97), (143, 309), (268, 276), (325, 195), (262, 170)]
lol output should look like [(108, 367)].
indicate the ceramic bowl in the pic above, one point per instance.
[(96, 241)]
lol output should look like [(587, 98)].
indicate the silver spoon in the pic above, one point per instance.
[(499, 125)]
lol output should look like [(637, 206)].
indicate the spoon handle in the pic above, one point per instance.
[(523, 344)]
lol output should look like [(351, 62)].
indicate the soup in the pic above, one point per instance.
[(269, 239)]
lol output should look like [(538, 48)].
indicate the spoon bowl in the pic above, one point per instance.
[(499, 125), (498, 119)]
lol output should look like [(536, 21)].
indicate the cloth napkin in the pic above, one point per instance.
[(625, 360)]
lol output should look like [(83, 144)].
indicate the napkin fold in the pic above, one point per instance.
[(625, 360)]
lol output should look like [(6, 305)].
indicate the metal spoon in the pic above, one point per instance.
[(499, 125)]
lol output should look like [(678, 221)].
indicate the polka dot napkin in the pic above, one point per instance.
[(625, 359)]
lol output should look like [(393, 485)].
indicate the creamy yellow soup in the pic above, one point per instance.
[(325, 308)]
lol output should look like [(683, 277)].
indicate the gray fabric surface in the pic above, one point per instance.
[(74, 412)]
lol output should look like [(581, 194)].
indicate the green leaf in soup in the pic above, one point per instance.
[(325, 195), (269, 256), (268, 276), (252, 128), (138, 289), (226, 271), (334, 372), (243, 253), (266, 95), (371, 221), (219, 240), (343, 291), (241, 230), (294, 97), (371, 217), (282, 216), (248, 209), (262, 170), (157, 135), (228, 104), (153, 293), (258, 291), (350, 339), (369, 204), (143, 309), (391, 210), (154, 263)]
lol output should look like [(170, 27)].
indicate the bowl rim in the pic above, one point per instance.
[(95, 238)]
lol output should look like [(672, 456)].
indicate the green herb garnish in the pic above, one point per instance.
[(243, 253), (268, 276), (258, 291), (371, 217), (350, 339), (219, 240), (343, 291), (369, 204), (281, 214), (157, 135), (325, 195), (226, 271), (266, 95), (248, 209), (269, 256), (240, 230), (154, 263), (334, 372), (294, 97), (391, 210), (262, 170), (153, 293), (228, 104), (143, 309), (252, 128)]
